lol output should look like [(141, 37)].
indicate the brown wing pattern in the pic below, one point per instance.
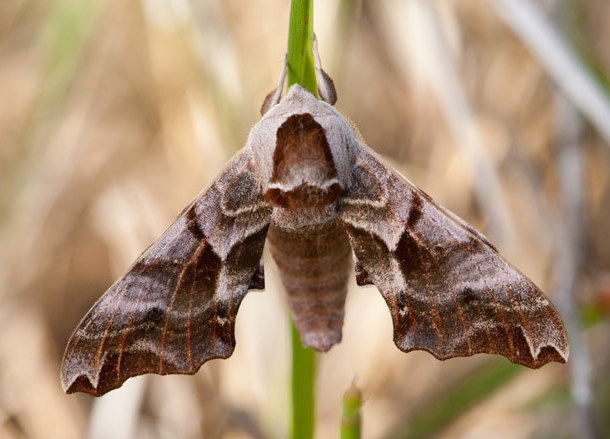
[(176, 306), (449, 291)]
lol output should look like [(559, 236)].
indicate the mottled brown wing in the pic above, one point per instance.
[(449, 292), (176, 306)]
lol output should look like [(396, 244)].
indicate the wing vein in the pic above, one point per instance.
[(84, 329), (189, 341), (458, 308), (502, 318), (125, 335), (100, 349), (497, 308), (417, 239), (524, 325), (177, 288)]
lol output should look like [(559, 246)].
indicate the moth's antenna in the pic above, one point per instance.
[(326, 86), (274, 96)]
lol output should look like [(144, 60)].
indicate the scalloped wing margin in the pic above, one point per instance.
[(448, 290), (176, 306)]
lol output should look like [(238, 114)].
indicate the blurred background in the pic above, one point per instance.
[(115, 113)]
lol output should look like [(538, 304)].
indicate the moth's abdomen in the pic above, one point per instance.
[(314, 264)]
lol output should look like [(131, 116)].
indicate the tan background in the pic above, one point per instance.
[(114, 113)]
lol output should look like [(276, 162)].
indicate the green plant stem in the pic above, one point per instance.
[(303, 383), (300, 44), (456, 400), (301, 71), (572, 17), (350, 419)]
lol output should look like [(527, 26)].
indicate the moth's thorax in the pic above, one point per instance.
[(304, 172), (299, 219), (303, 149)]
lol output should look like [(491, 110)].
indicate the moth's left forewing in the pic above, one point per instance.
[(448, 290), (175, 308)]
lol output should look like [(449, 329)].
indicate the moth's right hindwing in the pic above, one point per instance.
[(448, 290), (176, 306)]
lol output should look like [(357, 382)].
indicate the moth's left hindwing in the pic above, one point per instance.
[(176, 306), (448, 290)]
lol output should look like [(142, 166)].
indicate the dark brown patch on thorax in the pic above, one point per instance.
[(301, 142), (303, 165)]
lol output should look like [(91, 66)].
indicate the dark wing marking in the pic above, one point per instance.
[(449, 292), (176, 306)]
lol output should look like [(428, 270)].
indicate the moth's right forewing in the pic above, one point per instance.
[(176, 306), (448, 290)]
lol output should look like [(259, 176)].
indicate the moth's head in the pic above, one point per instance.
[(304, 172)]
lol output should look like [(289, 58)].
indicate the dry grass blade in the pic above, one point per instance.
[(442, 75), (570, 233), (549, 47)]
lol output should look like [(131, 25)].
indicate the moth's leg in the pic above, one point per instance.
[(362, 277), (326, 86), (274, 96), (257, 283)]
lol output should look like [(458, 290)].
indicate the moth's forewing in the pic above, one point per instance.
[(448, 290), (176, 306)]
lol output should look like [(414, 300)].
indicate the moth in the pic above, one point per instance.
[(309, 188)]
